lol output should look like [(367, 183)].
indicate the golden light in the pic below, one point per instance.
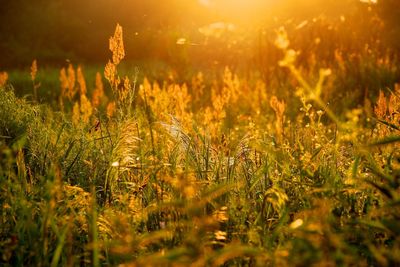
[(249, 11), (237, 9)]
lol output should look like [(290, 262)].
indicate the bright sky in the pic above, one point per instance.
[(251, 10)]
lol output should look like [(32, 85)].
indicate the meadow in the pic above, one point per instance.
[(292, 162)]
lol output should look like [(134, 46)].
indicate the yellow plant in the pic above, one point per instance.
[(116, 45), (67, 80), (34, 70), (394, 104), (387, 110), (171, 99), (76, 113), (82, 111), (197, 86), (110, 109), (381, 106), (231, 90), (310, 92), (98, 92), (124, 158), (122, 88), (224, 101), (279, 108), (179, 103), (110, 71), (213, 116), (64, 84), (81, 81), (3, 78), (86, 109), (154, 97), (71, 81), (256, 96)]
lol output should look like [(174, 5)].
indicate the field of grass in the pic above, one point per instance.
[(298, 165)]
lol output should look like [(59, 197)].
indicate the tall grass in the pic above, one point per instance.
[(153, 173)]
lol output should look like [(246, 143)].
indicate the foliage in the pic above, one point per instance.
[(170, 173)]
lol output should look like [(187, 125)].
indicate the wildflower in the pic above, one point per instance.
[(117, 45)]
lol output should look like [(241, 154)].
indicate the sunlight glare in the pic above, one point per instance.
[(237, 9)]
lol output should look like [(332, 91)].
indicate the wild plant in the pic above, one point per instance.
[(67, 81), (215, 172), (350, 132), (3, 78), (34, 70), (98, 92)]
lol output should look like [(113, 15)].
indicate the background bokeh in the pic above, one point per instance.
[(53, 31)]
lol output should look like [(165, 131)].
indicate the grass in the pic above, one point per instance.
[(211, 172)]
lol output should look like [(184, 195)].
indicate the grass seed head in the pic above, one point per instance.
[(117, 45), (98, 92), (381, 106), (81, 81), (34, 70)]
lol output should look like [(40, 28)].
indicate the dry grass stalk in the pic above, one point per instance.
[(381, 106), (98, 92), (34, 70), (81, 81), (279, 108), (116, 45), (111, 108)]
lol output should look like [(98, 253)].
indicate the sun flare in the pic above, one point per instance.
[(237, 9), (250, 11)]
